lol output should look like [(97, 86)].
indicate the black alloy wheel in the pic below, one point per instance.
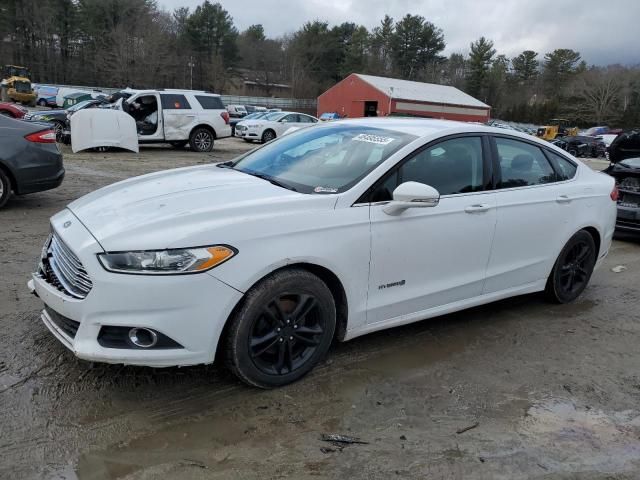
[(573, 268), (282, 329), (287, 332)]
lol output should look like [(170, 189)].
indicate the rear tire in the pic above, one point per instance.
[(42, 102), (201, 140), (573, 269), (5, 189), (281, 330)]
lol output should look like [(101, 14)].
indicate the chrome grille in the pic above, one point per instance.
[(62, 269)]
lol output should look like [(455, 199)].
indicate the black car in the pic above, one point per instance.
[(29, 158), (58, 118), (627, 175), (625, 145), (583, 146)]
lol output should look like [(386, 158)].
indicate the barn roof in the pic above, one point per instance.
[(421, 92)]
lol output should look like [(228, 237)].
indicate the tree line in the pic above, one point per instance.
[(136, 43)]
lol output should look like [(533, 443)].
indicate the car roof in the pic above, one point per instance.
[(171, 91), (422, 127)]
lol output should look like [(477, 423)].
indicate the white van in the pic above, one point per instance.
[(237, 111)]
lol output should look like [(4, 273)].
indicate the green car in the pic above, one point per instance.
[(75, 98)]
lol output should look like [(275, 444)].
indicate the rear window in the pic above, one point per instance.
[(174, 102), (210, 103)]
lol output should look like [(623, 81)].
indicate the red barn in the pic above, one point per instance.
[(368, 96)]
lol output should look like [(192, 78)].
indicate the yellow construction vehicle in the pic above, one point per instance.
[(558, 127), (16, 85)]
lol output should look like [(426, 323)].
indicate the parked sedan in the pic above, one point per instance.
[(29, 158), (627, 175), (12, 110), (272, 125), (233, 122), (327, 233)]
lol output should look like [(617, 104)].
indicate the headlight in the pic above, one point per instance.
[(167, 262), (252, 126)]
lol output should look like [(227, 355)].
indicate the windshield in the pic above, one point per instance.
[(273, 116), (254, 115), (80, 106), (324, 160)]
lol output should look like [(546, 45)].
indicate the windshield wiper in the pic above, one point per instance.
[(228, 164), (269, 179)]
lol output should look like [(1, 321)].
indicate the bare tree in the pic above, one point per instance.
[(596, 95)]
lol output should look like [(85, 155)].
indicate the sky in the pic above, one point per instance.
[(604, 32)]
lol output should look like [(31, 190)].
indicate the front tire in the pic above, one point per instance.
[(282, 329), (5, 189), (573, 269), (268, 136), (58, 128), (201, 140)]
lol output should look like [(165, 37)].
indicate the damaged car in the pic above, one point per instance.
[(625, 145), (627, 175), (177, 117)]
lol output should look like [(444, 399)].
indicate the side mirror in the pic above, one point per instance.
[(412, 195)]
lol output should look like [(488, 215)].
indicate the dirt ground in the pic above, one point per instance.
[(517, 389)]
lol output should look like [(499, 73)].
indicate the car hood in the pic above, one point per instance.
[(184, 207)]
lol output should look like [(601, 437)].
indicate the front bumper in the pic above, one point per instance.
[(189, 309)]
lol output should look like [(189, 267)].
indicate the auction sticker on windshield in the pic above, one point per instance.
[(365, 137)]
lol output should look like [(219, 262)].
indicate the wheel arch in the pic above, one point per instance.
[(591, 230), (330, 279), (205, 126), (595, 234)]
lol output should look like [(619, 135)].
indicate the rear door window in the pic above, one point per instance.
[(210, 102), (522, 164), (174, 102), (565, 169)]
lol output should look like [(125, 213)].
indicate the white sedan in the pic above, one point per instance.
[(272, 125), (329, 232)]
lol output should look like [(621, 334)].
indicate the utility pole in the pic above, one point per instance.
[(191, 65)]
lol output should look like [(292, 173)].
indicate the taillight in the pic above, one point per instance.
[(225, 117), (45, 136), (615, 194)]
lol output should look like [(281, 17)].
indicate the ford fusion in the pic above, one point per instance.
[(327, 233)]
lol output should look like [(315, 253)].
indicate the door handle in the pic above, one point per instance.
[(563, 199), (478, 208), (190, 116)]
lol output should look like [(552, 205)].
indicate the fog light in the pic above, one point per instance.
[(143, 337)]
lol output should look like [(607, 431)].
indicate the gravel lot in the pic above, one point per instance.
[(517, 389)]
